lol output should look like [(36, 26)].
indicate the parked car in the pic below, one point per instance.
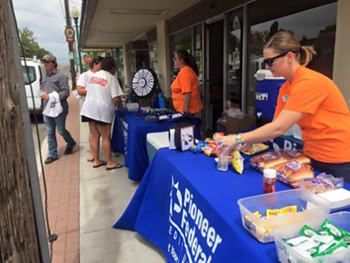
[(33, 77)]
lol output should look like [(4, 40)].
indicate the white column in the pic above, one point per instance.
[(163, 58), (126, 62), (341, 71)]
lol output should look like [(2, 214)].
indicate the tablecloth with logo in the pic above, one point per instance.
[(189, 210), (129, 136)]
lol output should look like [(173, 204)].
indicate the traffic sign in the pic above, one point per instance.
[(70, 34)]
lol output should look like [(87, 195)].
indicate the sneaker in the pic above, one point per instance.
[(51, 159), (69, 150)]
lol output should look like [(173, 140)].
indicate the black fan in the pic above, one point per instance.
[(144, 82)]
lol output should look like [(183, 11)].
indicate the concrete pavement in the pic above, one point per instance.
[(84, 203)]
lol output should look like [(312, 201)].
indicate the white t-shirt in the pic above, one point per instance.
[(83, 78), (101, 88)]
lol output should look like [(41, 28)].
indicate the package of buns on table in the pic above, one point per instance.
[(291, 165), (261, 214), (317, 239)]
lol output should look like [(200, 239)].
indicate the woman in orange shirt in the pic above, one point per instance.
[(308, 99), (185, 88)]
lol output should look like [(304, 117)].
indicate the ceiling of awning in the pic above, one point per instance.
[(113, 23)]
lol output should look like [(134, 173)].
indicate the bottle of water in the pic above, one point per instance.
[(161, 100), (222, 164)]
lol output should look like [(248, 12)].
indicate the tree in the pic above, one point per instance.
[(30, 45), (18, 232)]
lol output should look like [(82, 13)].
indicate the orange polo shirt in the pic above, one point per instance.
[(326, 125), (186, 82)]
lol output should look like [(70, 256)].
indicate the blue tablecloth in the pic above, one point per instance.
[(178, 187), (129, 137)]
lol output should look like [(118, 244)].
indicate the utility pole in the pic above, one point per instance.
[(22, 228), (70, 46)]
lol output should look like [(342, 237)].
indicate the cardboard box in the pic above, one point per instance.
[(234, 125)]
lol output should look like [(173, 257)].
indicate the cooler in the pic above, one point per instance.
[(155, 141), (266, 94)]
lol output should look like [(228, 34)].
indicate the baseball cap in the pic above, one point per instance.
[(49, 58)]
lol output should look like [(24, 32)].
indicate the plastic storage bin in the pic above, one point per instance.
[(155, 141), (266, 94), (309, 205), (286, 254)]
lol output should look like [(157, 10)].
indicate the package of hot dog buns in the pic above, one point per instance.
[(291, 165), (322, 183)]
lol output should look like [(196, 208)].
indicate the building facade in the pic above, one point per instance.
[(227, 37)]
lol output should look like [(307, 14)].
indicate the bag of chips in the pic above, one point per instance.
[(238, 162), (255, 148)]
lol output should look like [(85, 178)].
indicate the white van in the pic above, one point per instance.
[(33, 78)]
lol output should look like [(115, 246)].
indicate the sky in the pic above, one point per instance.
[(47, 20)]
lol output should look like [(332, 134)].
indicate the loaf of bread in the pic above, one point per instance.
[(296, 155), (292, 171), (267, 160)]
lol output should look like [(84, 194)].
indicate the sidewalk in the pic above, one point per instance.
[(84, 203)]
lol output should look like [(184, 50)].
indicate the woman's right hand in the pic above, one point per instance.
[(226, 144)]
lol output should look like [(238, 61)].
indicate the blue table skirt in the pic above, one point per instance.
[(129, 137)]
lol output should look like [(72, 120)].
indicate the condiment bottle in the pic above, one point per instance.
[(269, 181)]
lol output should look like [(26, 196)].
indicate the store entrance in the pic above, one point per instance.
[(215, 72)]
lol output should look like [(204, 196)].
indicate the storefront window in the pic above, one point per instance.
[(312, 26), (234, 57), (153, 55), (118, 54), (198, 51), (181, 40)]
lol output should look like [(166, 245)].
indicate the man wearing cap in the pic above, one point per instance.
[(54, 80)]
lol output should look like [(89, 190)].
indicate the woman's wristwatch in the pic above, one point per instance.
[(239, 139)]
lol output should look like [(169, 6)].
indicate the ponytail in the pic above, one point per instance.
[(188, 59), (306, 55), (284, 41)]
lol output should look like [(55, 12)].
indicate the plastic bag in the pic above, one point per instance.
[(322, 183)]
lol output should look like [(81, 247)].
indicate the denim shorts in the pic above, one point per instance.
[(335, 169)]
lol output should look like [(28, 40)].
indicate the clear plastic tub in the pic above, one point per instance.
[(309, 205), (288, 255)]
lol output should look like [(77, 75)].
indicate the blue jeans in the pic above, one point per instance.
[(60, 123), (335, 169)]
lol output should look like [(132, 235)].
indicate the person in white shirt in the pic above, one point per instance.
[(103, 94), (84, 77), (81, 89)]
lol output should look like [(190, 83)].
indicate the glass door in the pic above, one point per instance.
[(214, 73), (234, 59)]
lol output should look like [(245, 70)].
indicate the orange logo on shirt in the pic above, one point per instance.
[(98, 81)]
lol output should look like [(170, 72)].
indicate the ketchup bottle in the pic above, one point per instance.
[(269, 181)]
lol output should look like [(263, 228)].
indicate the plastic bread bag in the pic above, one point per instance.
[(238, 162), (254, 149), (322, 183), (292, 171), (267, 160), (296, 155)]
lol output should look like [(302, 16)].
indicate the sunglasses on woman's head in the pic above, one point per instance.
[(269, 61)]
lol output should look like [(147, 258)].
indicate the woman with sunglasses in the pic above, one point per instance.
[(185, 88), (308, 99)]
